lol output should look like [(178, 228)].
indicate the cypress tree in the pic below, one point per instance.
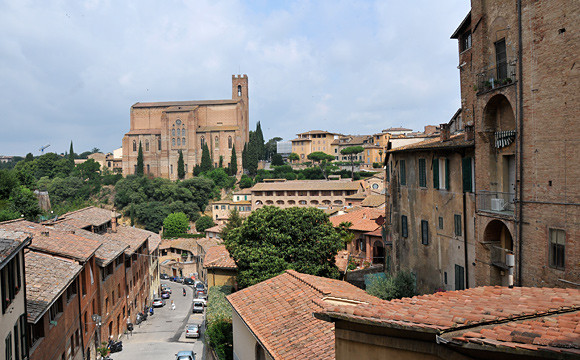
[(206, 164), (233, 162), (71, 154), (259, 140), (180, 166), (221, 161), (245, 157), (139, 171), (252, 155)]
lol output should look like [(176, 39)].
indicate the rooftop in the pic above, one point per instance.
[(181, 244), (183, 103), (218, 257), (373, 201), (207, 243), (91, 216), (306, 185), (132, 236), (10, 242), (279, 311), (455, 141), (44, 287), (362, 219), (216, 229)]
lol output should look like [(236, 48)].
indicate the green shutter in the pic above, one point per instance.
[(436, 173), (403, 175), (422, 173), (446, 174), (466, 170)]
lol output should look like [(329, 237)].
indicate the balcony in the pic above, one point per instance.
[(503, 74), (501, 203), (499, 257)]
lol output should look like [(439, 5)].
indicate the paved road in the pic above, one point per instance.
[(163, 334)]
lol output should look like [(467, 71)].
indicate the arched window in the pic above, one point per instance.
[(202, 142), (230, 142), (178, 132), (147, 145), (217, 142), (173, 132), (134, 145), (159, 143), (148, 169), (178, 141), (183, 131), (173, 142), (183, 141), (239, 90)]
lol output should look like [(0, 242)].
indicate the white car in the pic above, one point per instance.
[(158, 302), (201, 300), (192, 331)]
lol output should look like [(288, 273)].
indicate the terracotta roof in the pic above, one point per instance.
[(91, 215), (154, 242), (184, 103), (373, 201), (144, 132), (453, 310), (298, 185), (558, 333), (396, 129), (279, 311), (377, 233), (10, 242), (55, 241), (218, 257), (216, 229), (362, 219), (43, 287), (317, 132), (207, 243), (455, 141), (132, 236), (182, 244), (245, 191), (341, 260)]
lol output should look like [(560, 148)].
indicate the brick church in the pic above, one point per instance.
[(165, 128)]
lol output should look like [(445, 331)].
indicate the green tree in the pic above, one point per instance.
[(196, 170), (139, 170), (322, 159), (245, 156), (388, 287), (71, 154), (29, 157), (233, 169), (293, 157), (175, 224), (272, 240), (180, 166), (351, 151), (221, 162), (24, 202), (89, 169), (252, 155), (206, 163), (234, 222), (259, 140), (271, 147), (220, 337), (203, 223), (8, 182), (277, 160), (246, 182)]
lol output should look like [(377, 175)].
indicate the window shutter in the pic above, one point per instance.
[(446, 174), (436, 173), (466, 170), (404, 232)]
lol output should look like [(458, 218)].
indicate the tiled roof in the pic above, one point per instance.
[(183, 103), (218, 257), (216, 229), (377, 233), (132, 236), (341, 260), (558, 333), (453, 310), (144, 132), (373, 201), (279, 311), (306, 185), (44, 286), (207, 243), (455, 141), (10, 241), (317, 132), (245, 191), (362, 219), (91, 215), (396, 129), (182, 244), (55, 241), (154, 242)]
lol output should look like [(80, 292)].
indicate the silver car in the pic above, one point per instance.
[(192, 331)]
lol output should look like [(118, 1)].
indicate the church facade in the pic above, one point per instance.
[(165, 128)]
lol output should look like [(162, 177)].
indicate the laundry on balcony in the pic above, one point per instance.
[(504, 138)]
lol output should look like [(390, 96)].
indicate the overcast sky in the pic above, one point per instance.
[(70, 70)]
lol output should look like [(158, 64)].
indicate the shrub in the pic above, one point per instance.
[(203, 223), (219, 335), (246, 182), (175, 224), (388, 287)]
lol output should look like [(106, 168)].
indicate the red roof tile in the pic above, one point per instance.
[(10, 242), (362, 219), (90, 216), (218, 257), (279, 311), (132, 236)]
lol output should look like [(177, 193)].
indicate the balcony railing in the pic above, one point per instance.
[(500, 75), (498, 257), (496, 202)]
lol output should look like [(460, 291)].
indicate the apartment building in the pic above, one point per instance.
[(312, 141)]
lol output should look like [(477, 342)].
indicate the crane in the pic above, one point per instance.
[(44, 147)]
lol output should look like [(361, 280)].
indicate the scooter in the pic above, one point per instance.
[(115, 346), (184, 292)]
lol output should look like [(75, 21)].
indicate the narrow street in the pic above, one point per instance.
[(163, 334)]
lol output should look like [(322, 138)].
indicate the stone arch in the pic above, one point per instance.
[(279, 202), (497, 232), (314, 202), (498, 114)]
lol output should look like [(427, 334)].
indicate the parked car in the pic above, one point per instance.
[(185, 355), (197, 307), (164, 276), (179, 279), (158, 302), (200, 293), (188, 281), (199, 285), (192, 331), (165, 295), (165, 288), (201, 299)]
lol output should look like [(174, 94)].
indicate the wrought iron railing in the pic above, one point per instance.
[(496, 201), (500, 75)]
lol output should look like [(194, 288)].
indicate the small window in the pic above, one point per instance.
[(239, 90), (178, 122), (171, 169), (178, 132), (424, 232), (422, 173), (457, 220), (403, 173), (441, 173), (173, 132), (146, 145), (557, 248), (173, 142), (159, 143), (440, 222), (178, 141), (217, 142), (465, 41), (467, 172), (134, 145), (183, 141), (202, 142), (404, 228), (230, 142), (148, 169)]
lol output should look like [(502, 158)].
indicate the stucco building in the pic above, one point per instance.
[(166, 128)]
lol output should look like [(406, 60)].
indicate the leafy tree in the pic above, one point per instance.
[(95, 150), (45, 165), (206, 163), (203, 223), (271, 147), (246, 182), (322, 159), (277, 160), (65, 189), (272, 240), (151, 214), (30, 157), (234, 222), (220, 337), (196, 170), (89, 169), (63, 167), (8, 182), (180, 166), (293, 157), (24, 202), (252, 155), (351, 151), (8, 214), (233, 169), (388, 287), (175, 224), (220, 178), (139, 170), (71, 154)]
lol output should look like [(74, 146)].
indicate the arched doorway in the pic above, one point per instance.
[(500, 241), (378, 252)]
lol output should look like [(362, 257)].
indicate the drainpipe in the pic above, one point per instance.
[(465, 239), (521, 144)]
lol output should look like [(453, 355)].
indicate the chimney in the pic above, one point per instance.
[(444, 132), (44, 233), (469, 132), (113, 221)]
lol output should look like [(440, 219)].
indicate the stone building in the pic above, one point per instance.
[(519, 87), (166, 128), (313, 141)]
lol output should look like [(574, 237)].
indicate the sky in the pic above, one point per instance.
[(71, 69)]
